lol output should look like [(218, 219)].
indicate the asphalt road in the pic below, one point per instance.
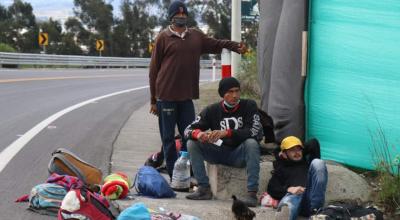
[(28, 97)]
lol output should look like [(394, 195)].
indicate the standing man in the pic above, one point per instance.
[(174, 76), (227, 132)]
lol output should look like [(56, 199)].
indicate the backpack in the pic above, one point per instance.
[(156, 159), (64, 162), (344, 211), (92, 206), (46, 198), (268, 126), (149, 182)]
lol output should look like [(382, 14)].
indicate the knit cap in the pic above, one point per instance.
[(116, 186), (226, 84), (175, 8)]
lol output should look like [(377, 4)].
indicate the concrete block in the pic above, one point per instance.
[(343, 183), (226, 181)]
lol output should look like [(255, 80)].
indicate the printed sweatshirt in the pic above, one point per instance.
[(241, 122)]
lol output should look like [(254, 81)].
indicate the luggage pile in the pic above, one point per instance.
[(73, 190), (76, 189)]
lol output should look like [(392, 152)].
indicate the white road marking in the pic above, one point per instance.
[(9, 152)]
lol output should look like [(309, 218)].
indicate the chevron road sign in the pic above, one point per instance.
[(43, 39), (100, 45)]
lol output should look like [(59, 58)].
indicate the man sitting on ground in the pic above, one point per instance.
[(227, 132), (299, 178)]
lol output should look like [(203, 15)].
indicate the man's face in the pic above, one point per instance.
[(232, 96), (294, 153), (179, 20)]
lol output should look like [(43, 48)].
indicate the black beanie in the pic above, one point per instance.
[(226, 84), (174, 9)]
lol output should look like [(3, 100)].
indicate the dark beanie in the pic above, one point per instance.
[(174, 9), (226, 84)]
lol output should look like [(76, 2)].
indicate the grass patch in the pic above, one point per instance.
[(6, 48), (387, 165)]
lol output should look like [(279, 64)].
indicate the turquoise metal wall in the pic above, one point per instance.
[(353, 84)]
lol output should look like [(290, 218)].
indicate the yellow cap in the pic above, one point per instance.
[(289, 142)]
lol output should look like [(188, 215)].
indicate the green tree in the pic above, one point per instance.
[(5, 30), (97, 16), (22, 31), (217, 15), (74, 28), (134, 32), (68, 45)]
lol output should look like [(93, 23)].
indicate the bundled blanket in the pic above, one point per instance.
[(116, 186)]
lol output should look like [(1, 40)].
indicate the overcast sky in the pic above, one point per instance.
[(57, 9)]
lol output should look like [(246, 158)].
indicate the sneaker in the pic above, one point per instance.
[(283, 213), (250, 199), (202, 193)]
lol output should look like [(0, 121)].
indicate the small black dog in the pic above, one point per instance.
[(241, 211)]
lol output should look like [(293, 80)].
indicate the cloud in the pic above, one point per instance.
[(56, 9)]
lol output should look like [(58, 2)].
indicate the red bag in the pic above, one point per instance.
[(93, 206)]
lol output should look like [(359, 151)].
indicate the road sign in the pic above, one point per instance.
[(43, 39), (249, 10), (100, 45), (151, 47)]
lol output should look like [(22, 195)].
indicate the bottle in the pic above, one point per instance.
[(181, 174)]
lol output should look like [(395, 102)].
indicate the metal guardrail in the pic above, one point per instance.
[(80, 61)]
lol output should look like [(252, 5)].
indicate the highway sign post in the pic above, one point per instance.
[(43, 40), (248, 10), (100, 45)]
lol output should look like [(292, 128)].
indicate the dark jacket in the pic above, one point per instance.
[(242, 122), (289, 173), (175, 63)]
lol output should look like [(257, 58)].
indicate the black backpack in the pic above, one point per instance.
[(345, 211), (268, 126)]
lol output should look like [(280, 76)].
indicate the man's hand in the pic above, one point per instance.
[(216, 134), (242, 48), (153, 109), (296, 190), (203, 137)]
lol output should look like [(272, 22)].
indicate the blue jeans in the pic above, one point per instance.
[(313, 197), (170, 114), (246, 155)]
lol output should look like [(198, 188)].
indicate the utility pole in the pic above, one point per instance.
[(236, 33)]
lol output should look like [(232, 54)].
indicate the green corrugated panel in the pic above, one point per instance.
[(353, 87)]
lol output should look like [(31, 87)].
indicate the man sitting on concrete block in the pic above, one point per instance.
[(227, 132), (299, 178)]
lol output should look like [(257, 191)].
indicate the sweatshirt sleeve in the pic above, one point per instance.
[(198, 125), (252, 127), (155, 65), (277, 188), (215, 46)]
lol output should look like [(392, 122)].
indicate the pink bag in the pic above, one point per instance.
[(267, 201), (93, 206)]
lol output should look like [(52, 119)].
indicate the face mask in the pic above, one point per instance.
[(229, 105), (179, 21)]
